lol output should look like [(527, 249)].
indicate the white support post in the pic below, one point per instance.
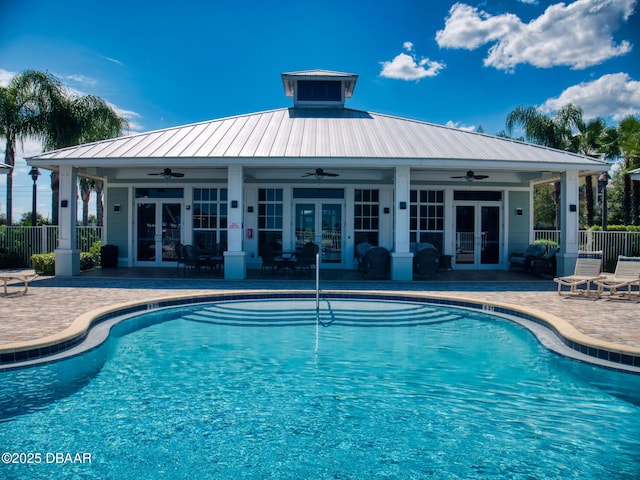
[(569, 223), (401, 257), (235, 262), (67, 255)]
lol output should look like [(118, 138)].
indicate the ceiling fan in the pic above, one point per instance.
[(167, 173), (471, 176), (320, 173)]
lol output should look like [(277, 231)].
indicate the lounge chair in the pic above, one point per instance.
[(627, 275), (524, 259), (588, 269), (19, 276)]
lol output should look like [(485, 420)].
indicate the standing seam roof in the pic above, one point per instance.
[(306, 132)]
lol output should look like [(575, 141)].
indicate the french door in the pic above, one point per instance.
[(478, 235), (158, 227), (320, 222)]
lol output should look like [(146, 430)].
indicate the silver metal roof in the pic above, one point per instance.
[(304, 133)]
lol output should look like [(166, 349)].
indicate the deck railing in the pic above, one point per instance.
[(611, 243), (27, 241)]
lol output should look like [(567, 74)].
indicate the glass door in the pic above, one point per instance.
[(158, 227), (320, 222), (477, 235)]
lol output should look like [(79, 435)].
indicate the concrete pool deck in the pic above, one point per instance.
[(53, 303)]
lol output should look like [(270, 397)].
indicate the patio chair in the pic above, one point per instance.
[(546, 264), (192, 259), (269, 263), (627, 275), (361, 251), (588, 269), (376, 262), (305, 258), (524, 259), (426, 262)]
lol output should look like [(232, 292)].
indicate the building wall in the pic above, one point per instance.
[(519, 225), (117, 222)]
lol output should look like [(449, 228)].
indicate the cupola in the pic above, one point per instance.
[(319, 88)]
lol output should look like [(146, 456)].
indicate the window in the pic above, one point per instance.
[(426, 221), (319, 91), (269, 219), (366, 216), (210, 218)]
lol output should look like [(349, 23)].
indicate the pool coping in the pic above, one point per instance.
[(567, 340)]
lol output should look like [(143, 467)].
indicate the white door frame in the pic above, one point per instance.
[(478, 238)]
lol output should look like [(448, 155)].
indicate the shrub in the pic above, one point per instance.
[(94, 251), (549, 243), (87, 261), (44, 263), (10, 260)]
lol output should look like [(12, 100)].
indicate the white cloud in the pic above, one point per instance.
[(460, 126), (5, 77), (578, 35), (615, 95), (408, 67), (82, 80)]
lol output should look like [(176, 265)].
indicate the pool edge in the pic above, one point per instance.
[(13, 354)]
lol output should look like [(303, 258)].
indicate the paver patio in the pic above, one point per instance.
[(52, 303)]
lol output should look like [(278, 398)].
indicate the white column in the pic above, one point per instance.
[(401, 257), (67, 255), (569, 223), (235, 264)]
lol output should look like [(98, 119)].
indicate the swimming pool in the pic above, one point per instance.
[(375, 389)]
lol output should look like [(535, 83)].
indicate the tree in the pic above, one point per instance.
[(551, 132), (25, 220), (629, 138), (24, 107), (75, 120), (98, 187), (567, 131), (86, 186)]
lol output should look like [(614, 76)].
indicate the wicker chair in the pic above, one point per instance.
[(426, 262), (376, 263)]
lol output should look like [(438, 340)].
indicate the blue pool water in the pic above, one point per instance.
[(246, 390)]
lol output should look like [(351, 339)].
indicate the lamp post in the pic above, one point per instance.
[(34, 173), (603, 181)]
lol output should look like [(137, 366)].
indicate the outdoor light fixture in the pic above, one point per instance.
[(403, 205), (34, 174)]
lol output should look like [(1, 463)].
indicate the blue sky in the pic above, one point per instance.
[(467, 64)]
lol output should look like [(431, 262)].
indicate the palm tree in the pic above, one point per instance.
[(629, 140), (76, 120), (98, 187), (24, 107), (86, 186), (551, 132), (590, 141), (565, 131)]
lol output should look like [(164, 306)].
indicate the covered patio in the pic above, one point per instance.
[(318, 172)]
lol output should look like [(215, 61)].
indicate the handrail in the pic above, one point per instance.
[(317, 298)]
